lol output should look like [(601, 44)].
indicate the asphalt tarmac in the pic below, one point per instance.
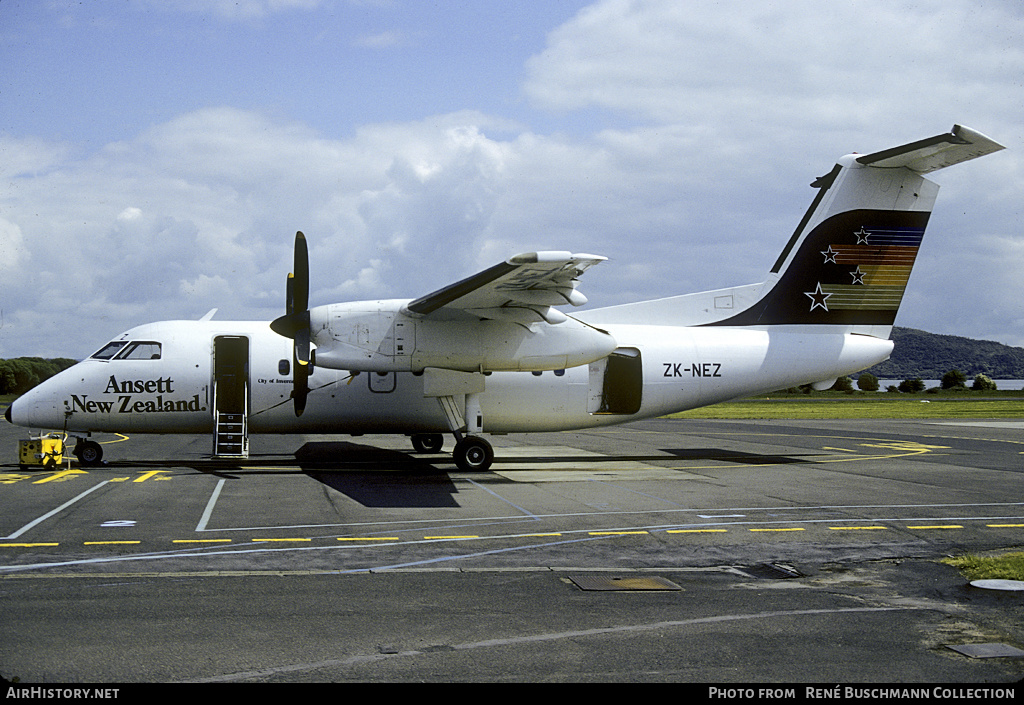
[(709, 552)]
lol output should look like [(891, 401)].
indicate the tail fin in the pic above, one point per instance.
[(850, 258)]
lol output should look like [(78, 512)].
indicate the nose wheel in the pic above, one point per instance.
[(88, 452), (473, 454)]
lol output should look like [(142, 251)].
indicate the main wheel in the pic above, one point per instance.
[(88, 452), (427, 442), (473, 454)]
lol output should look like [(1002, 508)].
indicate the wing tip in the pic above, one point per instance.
[(546, 256)]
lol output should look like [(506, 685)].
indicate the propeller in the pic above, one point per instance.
[(294, 323)]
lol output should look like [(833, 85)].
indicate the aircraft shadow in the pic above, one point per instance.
[(377, 477), (692, 454), (733, 456)]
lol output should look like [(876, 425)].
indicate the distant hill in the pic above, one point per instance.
[(929, 356)]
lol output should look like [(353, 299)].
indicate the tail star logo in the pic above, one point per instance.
[(818, 298)]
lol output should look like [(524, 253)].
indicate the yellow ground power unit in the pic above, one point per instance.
[(46, 450)]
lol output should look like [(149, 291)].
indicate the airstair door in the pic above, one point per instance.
[(230, 397), (617, 383)]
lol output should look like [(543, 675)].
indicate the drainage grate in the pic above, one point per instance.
[(994, 650), (771, 571), (600, 582)]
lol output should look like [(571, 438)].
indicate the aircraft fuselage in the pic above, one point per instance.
[(656, 370)]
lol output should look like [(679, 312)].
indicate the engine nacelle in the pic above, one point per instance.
[(376, 336)]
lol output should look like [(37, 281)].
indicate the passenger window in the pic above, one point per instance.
[(283, 367), (141, 351), (109, 350)]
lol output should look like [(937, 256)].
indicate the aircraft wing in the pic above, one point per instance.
[(522, 289)]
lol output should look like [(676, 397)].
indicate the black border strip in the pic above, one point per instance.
[(823, 184)]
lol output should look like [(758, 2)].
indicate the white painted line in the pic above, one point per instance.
[(981, 424), (205, 519), (526, 512), (552, 637), (56, 511)]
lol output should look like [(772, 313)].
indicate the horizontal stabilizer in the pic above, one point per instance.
[(927, 155)]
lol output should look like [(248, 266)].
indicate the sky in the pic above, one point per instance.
[(157, 156)]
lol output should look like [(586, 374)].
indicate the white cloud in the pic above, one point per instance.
[(745, 101), (801, 64), (236, 9), (200, 212), (206, 288), (697, 129), (381, 40), (29, 156), (12, 246)]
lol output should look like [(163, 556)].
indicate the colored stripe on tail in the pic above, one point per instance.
[(850, 270)]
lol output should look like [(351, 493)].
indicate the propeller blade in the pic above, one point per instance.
[(300, 286), (300, 389), (289, 295), (296, 317), (294, 323), (302, 343)]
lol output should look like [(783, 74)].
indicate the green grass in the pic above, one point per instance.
[(1009, 566), (861, 405)]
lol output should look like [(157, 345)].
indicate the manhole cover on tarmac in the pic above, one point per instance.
[(601, 582)]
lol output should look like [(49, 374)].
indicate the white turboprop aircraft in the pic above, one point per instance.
[(493, 353)]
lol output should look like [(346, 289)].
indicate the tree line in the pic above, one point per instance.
[(929, 356), (20, 374), (953, 380)]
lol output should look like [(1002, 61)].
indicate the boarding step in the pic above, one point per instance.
[(230, 438)]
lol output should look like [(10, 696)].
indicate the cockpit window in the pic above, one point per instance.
[(123, 350), (109, 350), (140, 351)]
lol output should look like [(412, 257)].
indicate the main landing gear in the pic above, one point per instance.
[(427, 442), (471, 454), (465, 419)]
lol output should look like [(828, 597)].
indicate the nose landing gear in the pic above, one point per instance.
[(88, 452)]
